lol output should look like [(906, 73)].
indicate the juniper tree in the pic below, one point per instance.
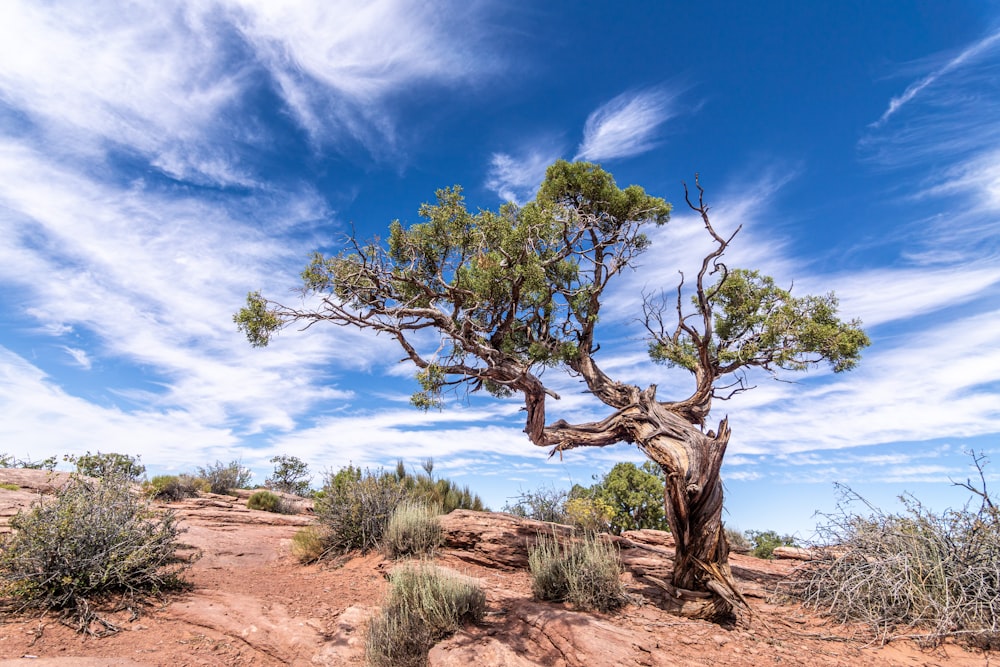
[(513, 291)]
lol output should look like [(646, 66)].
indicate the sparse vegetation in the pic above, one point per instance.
[(541, 504), (586, 572), (425, 605), (267, 502), (738, 542), (175, 487), (291, 475), (9, 487), (413, 530), (309, 545), (440, 492), (10, 461), (916, 573), (107, 465), (97, 544), (764, 542), (356, 506), (222, 478)]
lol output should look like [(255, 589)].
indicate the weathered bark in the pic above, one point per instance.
[(702, 582), (691, 461)]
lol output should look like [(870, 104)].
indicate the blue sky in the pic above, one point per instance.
[(159, 160)]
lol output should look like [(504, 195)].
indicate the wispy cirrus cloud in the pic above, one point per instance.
[(626, 125), (338, 64), (966, 56)]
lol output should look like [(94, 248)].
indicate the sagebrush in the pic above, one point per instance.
[(585, 571), (355, 508), (222, 478), (425, 604), (413, 530), (96, 545)]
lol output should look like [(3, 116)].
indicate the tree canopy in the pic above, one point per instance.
[(510, 292)]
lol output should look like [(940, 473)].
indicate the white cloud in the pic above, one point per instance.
[(80, 357), (626, 125), (361, 54), (517, 179), (966, 56)]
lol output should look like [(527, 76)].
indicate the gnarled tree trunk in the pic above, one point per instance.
[(691, 460)]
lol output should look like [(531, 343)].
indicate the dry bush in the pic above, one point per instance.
[(355, 508), (96, 543), (413, 530), (916, 574), (425, 605), (585, 571), (222, 478), (309, 545)]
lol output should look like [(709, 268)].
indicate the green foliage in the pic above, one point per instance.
[(9, 487), (440, 492), (222, 478), (10, 461), (175, 487), (541, 504), (291, 475), (96, 542), (413, 530), (425, 605), (266, 502), (523, 281), (635, 494), (356, 507), (763, 543), (104, 465), (760, 324), (914, 573), (589, 513), (586, 572)]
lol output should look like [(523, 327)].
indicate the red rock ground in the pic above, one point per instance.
[(252, 603)]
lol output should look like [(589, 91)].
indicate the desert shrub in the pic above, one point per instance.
[(589, 514), (542, 504), (356, 507), (425, 604), (440, 492), (738, 542), (764, 542), (11, 461), (916, 572), (105, 465), (267, 502), (174, 487), (413, 530), (635, 496), (222, 478), (291, 475), (309, 545), (586, 572), (95, 543), (9, 487)]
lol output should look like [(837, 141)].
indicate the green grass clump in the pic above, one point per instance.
[(96, 543), (170, 488), (267, 502), (425, 605), (413, 530), (586, 572), (9, 487)]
